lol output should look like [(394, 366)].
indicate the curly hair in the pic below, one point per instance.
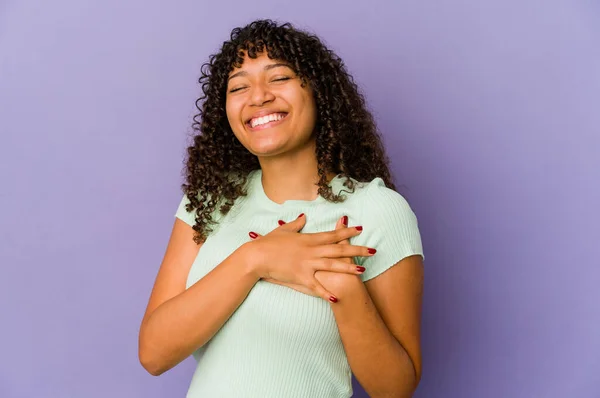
[(347, 140)]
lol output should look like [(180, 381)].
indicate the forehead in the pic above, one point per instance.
[(257, 67), (260, 63)]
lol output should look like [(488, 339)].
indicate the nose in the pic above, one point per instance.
[(260, 94)]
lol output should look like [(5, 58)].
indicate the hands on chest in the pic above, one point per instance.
[(311, 263)]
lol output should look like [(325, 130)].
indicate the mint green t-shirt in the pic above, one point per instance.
[(280, 342)]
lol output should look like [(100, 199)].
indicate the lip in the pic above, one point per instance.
[(266, 125)]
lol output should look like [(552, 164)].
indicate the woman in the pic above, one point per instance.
[(288, 310)]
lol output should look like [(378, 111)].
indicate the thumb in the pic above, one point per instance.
[(295, 225)]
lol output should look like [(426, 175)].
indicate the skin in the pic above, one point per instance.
[(286, 152), (379, 320)]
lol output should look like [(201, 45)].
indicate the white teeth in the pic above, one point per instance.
[(266, 119)]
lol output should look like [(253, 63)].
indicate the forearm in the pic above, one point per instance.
[(377, 359), (186, 322)]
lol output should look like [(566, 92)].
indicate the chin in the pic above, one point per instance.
[(266, 152), (266, 148)]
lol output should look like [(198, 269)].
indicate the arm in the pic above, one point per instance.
[(379, 323), (179, 321)]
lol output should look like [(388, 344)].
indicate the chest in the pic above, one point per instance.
[(234, 228), (282, 313)]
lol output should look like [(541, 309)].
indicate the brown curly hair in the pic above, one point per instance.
[(347, 140)]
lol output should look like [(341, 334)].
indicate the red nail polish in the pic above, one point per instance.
[(281, 222), (253, 235), (359, 228), (333, 299), (360, 269), (372, 251), (345, 220), (300, 215)]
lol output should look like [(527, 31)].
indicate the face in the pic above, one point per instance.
[(268, 110)]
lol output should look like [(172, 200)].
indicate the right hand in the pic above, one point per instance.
[(290, 257)]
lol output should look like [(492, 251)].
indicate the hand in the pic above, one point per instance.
[(327, 274), (326, 278)]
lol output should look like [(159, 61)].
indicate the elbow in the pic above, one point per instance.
[(148, 358), (399, 390), (151, 366), (418, 369), (407, 391), (416, 382), (153, 357), (155, 372)]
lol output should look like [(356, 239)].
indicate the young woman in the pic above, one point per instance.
[(293, 263)]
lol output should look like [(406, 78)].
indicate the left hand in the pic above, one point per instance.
[(302, 289)]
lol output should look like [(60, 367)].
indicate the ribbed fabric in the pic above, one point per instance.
[(280, 342)]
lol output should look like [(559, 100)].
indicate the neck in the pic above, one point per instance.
[(293, 177)]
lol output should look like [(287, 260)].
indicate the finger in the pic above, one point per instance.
[(342, 223), (324, 238), (335, 265), (322, 292), (295, 225), (336, 250), (253, 235)]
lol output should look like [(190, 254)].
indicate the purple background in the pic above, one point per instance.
[(490, 111)]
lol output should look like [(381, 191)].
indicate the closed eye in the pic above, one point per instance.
[(279, 79), (233, 90)]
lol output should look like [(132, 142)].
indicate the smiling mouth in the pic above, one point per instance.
[(266, 122)]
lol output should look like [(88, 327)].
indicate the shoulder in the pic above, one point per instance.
[(386, 210), (190, 216), (374, 199), (390, 226), (382, 202)]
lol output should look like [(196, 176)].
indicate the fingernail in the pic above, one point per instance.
[(360, 269), (345, 220), (300, 215), (333, 299), (359, 228), (281, 222), (253, 235), (372, 251)]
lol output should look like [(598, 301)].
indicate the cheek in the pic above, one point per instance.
[(233, 115), (310, 110), (229, 112)]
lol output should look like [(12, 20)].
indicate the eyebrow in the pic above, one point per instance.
[(267, 67)]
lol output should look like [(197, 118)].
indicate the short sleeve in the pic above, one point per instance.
[(183, 214), (190, 217), (390, 226)]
